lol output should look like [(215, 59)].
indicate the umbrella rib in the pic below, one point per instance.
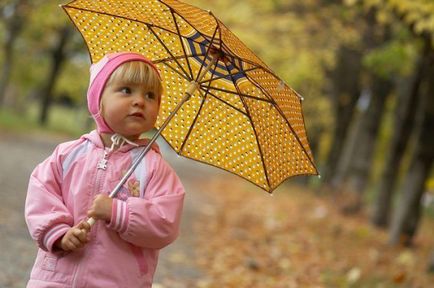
[(189, 23), (198, 113), (210, 164), (176, 57), (261, 89), (149, 25), (224, 76), (191, 126), (218, 28), (168, 50), (206, 55), (253, 127), (284, 117), (240, 94), (230, 105), (296, 135), (176, 71), (180, 41)]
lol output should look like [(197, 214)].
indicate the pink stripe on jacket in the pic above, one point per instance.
[(122, 253)]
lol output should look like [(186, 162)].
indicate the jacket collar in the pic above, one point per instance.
[(95, 138)]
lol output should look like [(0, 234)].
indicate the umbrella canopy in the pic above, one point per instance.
[(239, 115)]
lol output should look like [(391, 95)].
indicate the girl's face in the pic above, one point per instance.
[(129, 109)]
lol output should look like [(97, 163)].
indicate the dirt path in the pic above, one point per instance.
[(20, 154)]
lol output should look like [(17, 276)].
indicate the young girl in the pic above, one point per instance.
[(121, 249)]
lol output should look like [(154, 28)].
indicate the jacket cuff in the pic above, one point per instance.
[(119, 217), (52, 235)]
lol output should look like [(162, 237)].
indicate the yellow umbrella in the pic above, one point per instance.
[(223, 105)]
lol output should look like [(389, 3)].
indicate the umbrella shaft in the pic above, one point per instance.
[(148, 147), (207, 67), (190, 91)]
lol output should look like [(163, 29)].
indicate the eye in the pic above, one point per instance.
[(125, 90), (150, 95)]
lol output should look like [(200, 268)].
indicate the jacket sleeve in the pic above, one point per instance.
[(46, 215), (152, 222)]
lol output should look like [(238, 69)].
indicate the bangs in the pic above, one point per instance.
[(138, 72)]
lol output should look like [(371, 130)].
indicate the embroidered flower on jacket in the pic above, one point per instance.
[(134, 187)]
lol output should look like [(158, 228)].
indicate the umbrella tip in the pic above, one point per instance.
[(299, 96)]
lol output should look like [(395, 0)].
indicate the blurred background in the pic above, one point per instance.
[(366, 71)]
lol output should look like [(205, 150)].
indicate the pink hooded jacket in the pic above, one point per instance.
[(121, 253), (145, 215)]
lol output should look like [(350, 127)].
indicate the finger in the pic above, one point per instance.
[(75, 241), (84, 225), (81, 235), (70, 246)]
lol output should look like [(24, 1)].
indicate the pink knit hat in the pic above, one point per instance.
[(100, 72)]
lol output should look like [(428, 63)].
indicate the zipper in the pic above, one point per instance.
[(102, 164), (99, 177)]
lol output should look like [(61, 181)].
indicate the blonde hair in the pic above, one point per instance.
[(138, 72)]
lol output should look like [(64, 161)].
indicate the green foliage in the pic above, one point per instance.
[(74, 79), (393, 58), (418, 15)]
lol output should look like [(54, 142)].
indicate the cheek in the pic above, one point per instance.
[(156, 110)]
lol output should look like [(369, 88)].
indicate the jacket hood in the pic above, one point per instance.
[(100, 72)]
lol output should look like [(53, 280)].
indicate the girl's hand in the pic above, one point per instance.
[(75, 238), (101, 208)]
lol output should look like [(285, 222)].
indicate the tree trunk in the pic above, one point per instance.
[(405, 117), (346, 90), (14, 25), (58, 56), (347, 82), (406, 219), (356, 175), (431, 263)]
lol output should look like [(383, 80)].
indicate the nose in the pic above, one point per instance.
[(138, 101)]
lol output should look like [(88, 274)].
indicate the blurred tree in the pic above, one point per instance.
[(431, 263), (345, 92), (355, 168), (417, 16), (13, 16), (51, 40), (58, 57), (344, 79), (408, 212), (405, 116)]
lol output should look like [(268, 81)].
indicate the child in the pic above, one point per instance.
[(121, 249)]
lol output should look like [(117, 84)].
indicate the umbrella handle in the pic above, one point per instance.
[(91, 221)]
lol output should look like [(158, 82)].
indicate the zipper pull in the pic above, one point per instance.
[(102, 164)]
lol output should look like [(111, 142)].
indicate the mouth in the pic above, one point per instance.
[(138, 115)]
